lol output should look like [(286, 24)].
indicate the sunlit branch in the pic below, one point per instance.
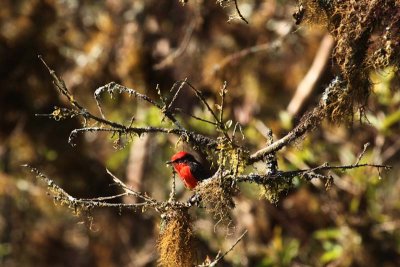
[(307, 123)]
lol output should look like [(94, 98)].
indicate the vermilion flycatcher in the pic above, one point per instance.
[(188, 168)]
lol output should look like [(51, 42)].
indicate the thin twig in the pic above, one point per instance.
[(270, 46), (130, 191), (202, 99), (105, 198), (195, 117), (172, 195), (221, 256), (176, 93), (237, 125), (239, 13), (222, 94), (362, 153)]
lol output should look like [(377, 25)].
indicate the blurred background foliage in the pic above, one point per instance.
[(141, 44)]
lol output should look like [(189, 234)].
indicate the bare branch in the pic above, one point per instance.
[(60, 85), (180, 50), (114, 127), (63, 197), (306, 86), (86, 204), (307, 173), (192, 137), (265, 47), (279, 144)]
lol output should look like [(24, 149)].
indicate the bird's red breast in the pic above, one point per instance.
[(185, 174)]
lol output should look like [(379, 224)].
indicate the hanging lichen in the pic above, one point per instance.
[(217, 196), (176, 239)]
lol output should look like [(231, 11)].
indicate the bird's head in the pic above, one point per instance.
[(182, 157)]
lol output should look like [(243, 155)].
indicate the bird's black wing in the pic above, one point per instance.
[(199, 171)]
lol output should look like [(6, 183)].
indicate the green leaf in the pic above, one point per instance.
[(329, 233), (333, 254)]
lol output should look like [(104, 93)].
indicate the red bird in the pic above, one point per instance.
[(189, 169)]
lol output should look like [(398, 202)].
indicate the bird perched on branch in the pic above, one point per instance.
[(189, 169)]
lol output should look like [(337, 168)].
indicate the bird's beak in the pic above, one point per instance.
[(169, 162)]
